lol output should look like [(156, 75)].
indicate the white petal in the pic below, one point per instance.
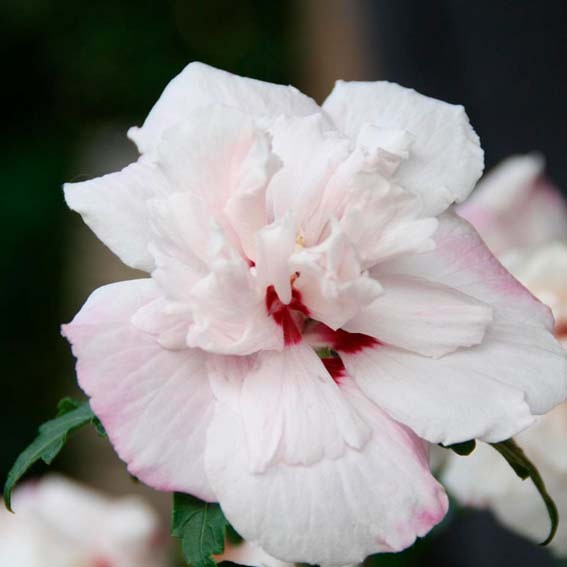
[(199, 85), (114, 207), (206, 282), (519, 349), (274, 245), (310, 152), (293, 412), (230, 313), (220, 156), (446, 400), (445, 158), (335, 512), (423, 317), (332, 284), (155, 404), (384, 221)]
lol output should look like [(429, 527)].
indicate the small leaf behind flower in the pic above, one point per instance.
[(465, 448), (202, 528), (51, 438), (524, 468)]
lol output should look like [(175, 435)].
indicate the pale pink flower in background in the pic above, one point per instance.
[(58, 523), (515, 206), (272, 227), (482, 479)]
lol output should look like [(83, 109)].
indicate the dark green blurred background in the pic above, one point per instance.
[(76, 75)]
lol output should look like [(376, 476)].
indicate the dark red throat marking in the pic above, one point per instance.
[(335, 368), (343, 341), (284, 314), (101, 562)]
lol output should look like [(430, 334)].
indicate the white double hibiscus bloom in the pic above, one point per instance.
[(524, 220), (314, 311)]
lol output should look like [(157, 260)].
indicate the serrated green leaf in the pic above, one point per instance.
[(465, 448), (51, 438), (202, 528), (525, 469)]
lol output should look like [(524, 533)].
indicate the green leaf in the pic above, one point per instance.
[(50, 440), (68, 404), (202, 528), (465, 448), (524, 468)]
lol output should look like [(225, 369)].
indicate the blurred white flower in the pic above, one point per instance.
[(514, 206), (525, 222), (58, 523)]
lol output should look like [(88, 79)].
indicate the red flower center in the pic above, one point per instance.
[(289, 317)]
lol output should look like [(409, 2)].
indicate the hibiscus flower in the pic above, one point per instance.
[(314, 312)]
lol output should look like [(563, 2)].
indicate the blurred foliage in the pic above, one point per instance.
[(68, 68)]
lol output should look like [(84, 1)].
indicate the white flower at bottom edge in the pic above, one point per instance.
[(483, 479), (270, 227), (60, 523)]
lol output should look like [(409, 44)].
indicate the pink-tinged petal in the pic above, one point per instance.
[(427, 318), (446, 400), (310, 152), (334, 512), (155, 404), (199, 85), (234, 192), (207, 285), (274, 245), (380, 218), (114, 207), (445, 158), (170, 328), (303, 417), (330, 279), (229, 312), (519, 349), (180, 244), (543, 270), (514, 206), (246, 553)]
